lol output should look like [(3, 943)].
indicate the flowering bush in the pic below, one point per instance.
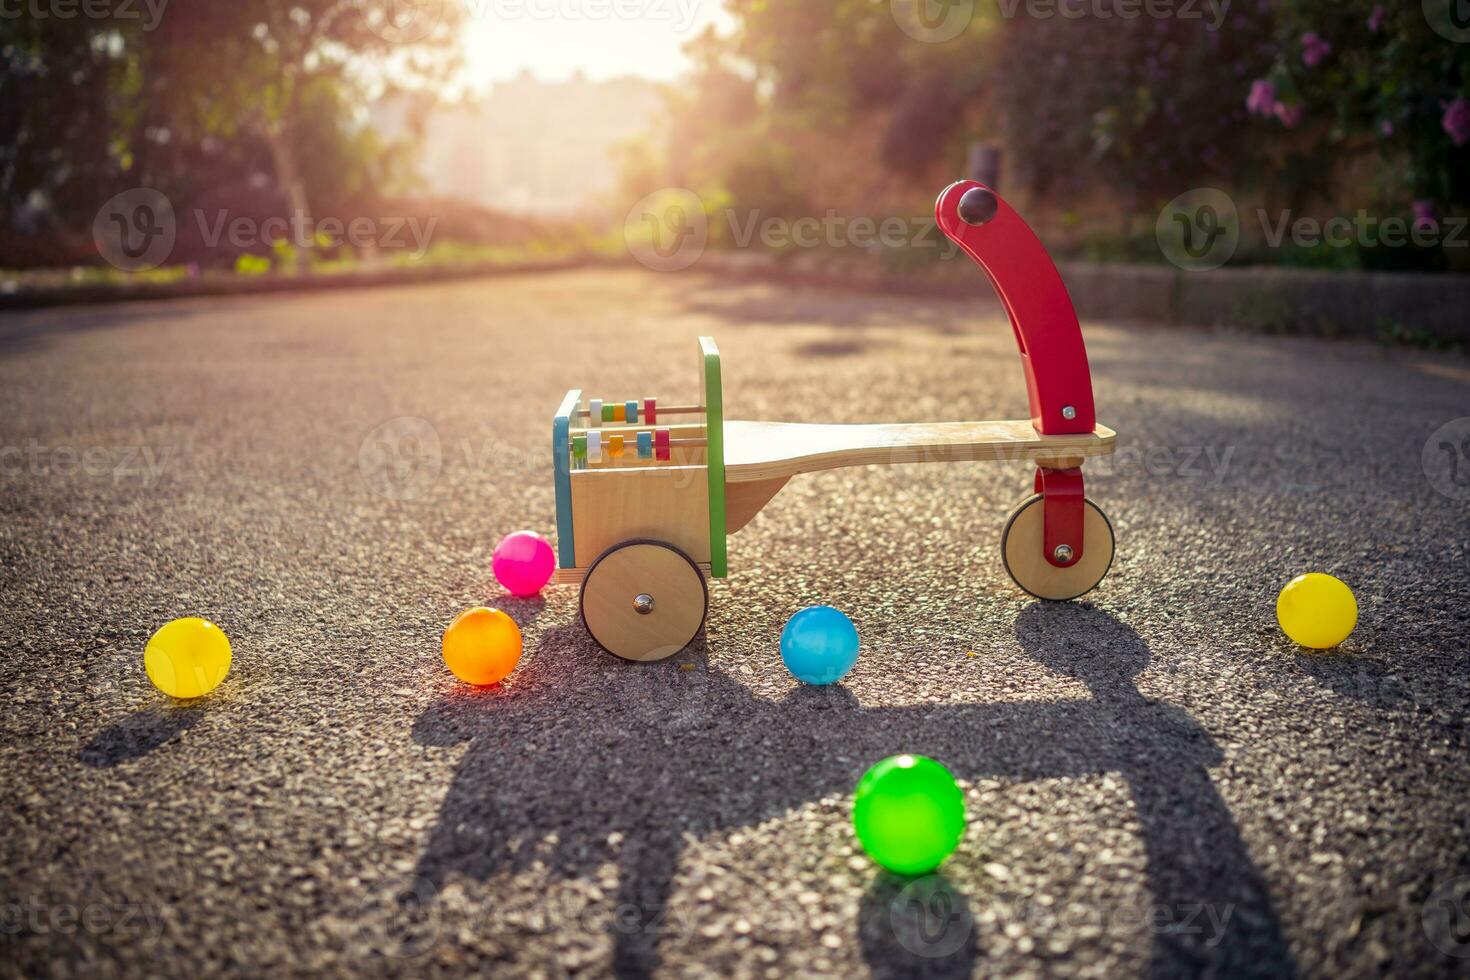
[(1386, 79)]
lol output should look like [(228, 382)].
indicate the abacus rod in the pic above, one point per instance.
[(583, 413)]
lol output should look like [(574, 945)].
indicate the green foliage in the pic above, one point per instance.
[(204, 104), (252, 265), (1374, 78)]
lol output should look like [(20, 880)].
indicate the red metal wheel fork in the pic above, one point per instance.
[(1062, 514)]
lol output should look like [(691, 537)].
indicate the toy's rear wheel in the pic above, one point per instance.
[(1021, 548), (643, 600)]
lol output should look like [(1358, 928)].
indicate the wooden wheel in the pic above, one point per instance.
[(643, 600), (1021, 550)]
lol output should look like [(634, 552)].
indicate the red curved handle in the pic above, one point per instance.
[(1058, 380)]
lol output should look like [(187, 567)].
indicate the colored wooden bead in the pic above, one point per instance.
[(579, 447), (630, 413), (645, 445), (608, 413), (619, 413), (594, 413), (594, 447), (615, 446), (650, 411), (661, 443)]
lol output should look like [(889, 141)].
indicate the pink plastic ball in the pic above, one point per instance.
[(523, 563)]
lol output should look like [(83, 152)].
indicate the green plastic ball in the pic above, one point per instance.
[(909, 814)]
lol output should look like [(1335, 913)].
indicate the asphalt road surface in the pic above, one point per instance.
[(1157, 781)]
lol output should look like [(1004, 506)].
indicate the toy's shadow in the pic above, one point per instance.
[(917, 927), (583, 761), (139, 734)]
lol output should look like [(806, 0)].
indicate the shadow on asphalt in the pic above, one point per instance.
[(741, 302), (585, 762), (25, 330), (139, 734)]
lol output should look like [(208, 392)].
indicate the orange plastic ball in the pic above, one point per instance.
[(482, 646)]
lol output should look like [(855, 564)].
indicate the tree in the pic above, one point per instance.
[(284, 57)]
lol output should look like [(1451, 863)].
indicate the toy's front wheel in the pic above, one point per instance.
[(1021, 547), (643, 600)]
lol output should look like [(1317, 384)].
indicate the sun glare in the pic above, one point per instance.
[(601, 39)]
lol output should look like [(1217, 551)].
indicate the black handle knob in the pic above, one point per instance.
[(978, 205)]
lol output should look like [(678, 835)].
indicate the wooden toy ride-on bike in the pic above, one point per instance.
[(646, 493)]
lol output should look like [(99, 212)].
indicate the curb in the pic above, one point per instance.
[(1413, 306), (124, 292)]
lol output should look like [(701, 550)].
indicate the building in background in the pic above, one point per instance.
[(527, 146)]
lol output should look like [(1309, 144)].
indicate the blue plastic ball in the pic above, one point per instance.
[(819, 645)]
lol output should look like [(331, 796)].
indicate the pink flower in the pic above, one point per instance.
[(1426, 215), (1376, 19), (1314, 49), (1386, 127), (1290, 115), (1456, 121), (1262, 100)]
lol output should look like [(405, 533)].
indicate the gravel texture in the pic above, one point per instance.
[(1157, 780)]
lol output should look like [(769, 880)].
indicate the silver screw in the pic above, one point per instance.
[(1063, 553), (643, 602), (1068, 412)]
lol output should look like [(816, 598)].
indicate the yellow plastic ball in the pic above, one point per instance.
[(482, 646), (187, 658), (1317, 610)]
